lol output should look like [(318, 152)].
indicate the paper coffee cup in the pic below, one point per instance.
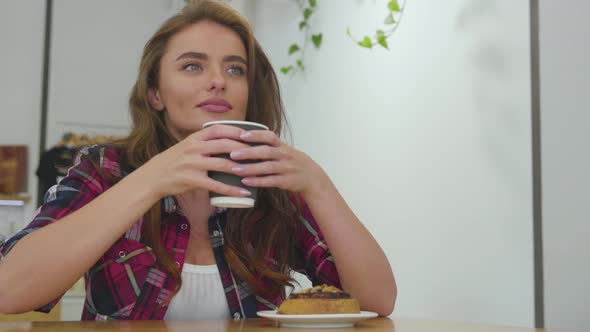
[(232, 179)]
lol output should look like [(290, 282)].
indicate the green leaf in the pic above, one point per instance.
[(302, 25), (389, 20), (317, 40), (307, 13), (300, 64), (293, 48), (313, 3), (382, 41), (393, 6), (366, 42), (286, 70)]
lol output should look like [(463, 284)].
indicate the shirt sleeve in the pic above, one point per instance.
[(81, 185), (314, 253)]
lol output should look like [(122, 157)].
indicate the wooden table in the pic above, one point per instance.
[(256, 325)]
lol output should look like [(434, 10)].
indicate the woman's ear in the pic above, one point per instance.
[(155, 100)]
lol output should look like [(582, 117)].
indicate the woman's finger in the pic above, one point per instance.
[(216, 164), (222, 188), (223, 145), (261, 136), (264, 152), (218, 131), (269, 181), (262, 168)]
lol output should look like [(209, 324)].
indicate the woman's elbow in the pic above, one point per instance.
[(388, 302), (387, 309), (5, 307), (9, 309)]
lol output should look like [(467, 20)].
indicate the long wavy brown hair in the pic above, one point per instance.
[(252, 236)]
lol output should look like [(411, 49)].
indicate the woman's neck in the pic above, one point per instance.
[(197, 209)]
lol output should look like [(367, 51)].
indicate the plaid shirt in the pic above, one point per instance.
[(125, 282)]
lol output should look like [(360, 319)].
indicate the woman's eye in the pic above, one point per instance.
[(192, 67), (239, 71)]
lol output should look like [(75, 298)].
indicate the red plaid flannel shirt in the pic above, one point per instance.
[(125, 283)]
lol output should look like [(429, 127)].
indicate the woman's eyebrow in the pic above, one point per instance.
[(203, 56), (234, 58), (193, 55)]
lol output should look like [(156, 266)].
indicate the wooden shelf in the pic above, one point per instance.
[(25, 198)]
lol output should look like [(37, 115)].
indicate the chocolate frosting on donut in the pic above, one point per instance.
[(321, 292)]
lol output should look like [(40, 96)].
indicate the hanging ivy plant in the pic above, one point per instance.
[(382, 35), (308, 8)]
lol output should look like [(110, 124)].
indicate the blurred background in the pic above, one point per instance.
[(462, 147)]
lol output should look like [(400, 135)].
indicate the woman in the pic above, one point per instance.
[(134, 218)]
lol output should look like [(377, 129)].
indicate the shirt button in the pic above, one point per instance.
[(184, 227), (216, 233), (121, 254), (237, 315)]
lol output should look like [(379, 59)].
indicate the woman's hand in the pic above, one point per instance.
[(281, 165), (184, 166)]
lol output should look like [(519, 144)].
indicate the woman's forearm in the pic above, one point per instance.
[(45, 263), (364, 269)]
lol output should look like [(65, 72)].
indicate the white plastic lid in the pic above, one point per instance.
[(232, 202), (230, 122)]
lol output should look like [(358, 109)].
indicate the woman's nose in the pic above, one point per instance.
[(217, 81)]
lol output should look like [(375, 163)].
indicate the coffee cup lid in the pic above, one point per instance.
[(230, 122), (232, 202)]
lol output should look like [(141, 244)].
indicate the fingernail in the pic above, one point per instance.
[(235, 154), (246, 181), (246, 134), (237, 169), (245, 192)]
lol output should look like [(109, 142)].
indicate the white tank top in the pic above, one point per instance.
[(201, 296)]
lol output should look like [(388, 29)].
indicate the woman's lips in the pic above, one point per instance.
[(215, 105), (215, 108)]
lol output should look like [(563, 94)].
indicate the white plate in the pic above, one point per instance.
[(317, 321)]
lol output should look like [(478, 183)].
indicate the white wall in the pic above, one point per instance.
[(21, 34), (565, 127), (430, 144)]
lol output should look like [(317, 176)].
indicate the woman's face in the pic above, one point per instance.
[(203, 77)]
